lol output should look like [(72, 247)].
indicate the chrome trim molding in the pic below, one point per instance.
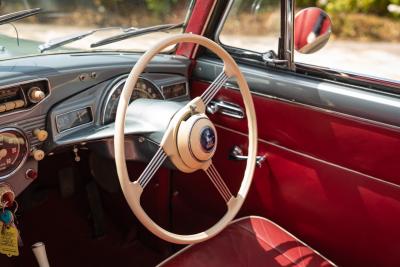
[(222, 22), (226, 108)]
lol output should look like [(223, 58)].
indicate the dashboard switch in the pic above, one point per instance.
[(41, 135), (19, 103), (7, 196), (36, 94), (38, 154), (10, 105), (31, 174)]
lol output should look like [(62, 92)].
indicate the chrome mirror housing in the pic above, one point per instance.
[(312, 30)]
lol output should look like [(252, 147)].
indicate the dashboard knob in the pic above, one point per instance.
[(41, 135), (7, 195), (36, 94), (38, 154), (31, 174)]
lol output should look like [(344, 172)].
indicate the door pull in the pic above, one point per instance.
[(237, 154), (226, 108)]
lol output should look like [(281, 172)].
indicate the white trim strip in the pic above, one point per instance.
[(219, 183), (152, 167), (213, 89)]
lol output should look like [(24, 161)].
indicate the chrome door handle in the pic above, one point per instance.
[(237, 154), (226, 108)]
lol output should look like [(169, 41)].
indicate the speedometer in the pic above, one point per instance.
[(143, 89), (13, 151)]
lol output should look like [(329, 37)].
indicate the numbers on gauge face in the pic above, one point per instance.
[(143, 89), (13, 150)]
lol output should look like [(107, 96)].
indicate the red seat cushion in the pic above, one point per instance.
[(250, 241)]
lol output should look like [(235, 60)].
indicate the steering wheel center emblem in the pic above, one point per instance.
[(207, 139)]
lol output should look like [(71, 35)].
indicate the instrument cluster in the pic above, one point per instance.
[(14, 150), (156, 87)]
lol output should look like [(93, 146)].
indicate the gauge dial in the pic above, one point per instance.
[(13, 151), (143, 89)]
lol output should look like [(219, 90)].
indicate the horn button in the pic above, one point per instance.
[(197, 141)]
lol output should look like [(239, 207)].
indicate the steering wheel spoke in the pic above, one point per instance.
[(219, 183), (152, 167), (214, 87)]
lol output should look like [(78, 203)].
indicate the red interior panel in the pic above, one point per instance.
[(331, 180), (249, 241)]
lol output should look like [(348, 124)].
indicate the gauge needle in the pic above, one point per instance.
[(3, 153)]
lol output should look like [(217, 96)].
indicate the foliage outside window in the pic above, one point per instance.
[(252, 25), (366, 37)]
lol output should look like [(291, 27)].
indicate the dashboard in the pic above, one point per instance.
[(53, 103)]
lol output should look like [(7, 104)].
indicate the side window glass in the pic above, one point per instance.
[(252, 25), (364, 39)]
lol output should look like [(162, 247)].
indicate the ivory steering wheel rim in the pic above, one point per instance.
[(133, 190)]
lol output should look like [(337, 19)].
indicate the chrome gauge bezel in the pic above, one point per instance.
[(25, 156), (176, 97), (115, 87)]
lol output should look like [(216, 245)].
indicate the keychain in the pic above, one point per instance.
[(9, 234)]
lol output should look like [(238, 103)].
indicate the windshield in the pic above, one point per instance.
[(60, 19)]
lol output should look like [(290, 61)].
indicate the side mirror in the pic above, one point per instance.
[(312, 30)]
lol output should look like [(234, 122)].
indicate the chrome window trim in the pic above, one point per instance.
[(289, 31), (221, 26), (336, 74), (222, 22), (377, 84)]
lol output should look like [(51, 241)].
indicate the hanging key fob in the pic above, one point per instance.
[(7, 217)]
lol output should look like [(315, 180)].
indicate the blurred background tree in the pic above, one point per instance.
[(377, 7), (161, 7), (364, 20)]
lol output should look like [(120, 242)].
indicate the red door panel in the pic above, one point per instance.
[(349, 142), (331, 180)]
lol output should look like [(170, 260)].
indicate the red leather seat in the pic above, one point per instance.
[(251, 241)]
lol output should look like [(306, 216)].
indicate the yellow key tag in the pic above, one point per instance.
[(8, 240)]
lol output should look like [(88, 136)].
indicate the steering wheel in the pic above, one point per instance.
[(189, 141)]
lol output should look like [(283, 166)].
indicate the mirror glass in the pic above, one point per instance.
[(312, 30)]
